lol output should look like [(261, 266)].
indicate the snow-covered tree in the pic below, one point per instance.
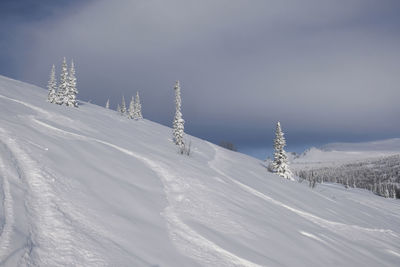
[(72, 91), (280, 164), (52, 86), (62, 94), (178, 123), (123, 106), (131, 110), (119, 109), (108, 104), (138, 107)]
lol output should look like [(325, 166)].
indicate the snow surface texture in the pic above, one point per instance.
[(87, 187)]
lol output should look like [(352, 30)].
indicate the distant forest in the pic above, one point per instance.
[(381, 176)]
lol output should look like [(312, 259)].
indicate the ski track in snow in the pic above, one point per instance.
[(48, 115), (7, 228), (331, 225), (185, 238), (312, 236), (53, 241)]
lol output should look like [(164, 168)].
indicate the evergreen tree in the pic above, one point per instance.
[(280, 164), (62, 94), (108, 104), (138, 107), (52, 86), (72, 91), (178, 123), (123, 106), (119, 109), (131, 110)]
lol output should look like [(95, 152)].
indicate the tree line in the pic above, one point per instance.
[(381, 176)]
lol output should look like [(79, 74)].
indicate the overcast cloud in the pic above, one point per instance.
[(328, 70)]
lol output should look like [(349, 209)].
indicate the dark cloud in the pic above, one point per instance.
[(327, 69)]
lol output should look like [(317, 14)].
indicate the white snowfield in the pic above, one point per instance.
[(87, 187)]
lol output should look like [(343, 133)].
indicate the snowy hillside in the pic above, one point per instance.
[(87, 187)]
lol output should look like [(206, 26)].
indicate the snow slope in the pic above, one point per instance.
[(87, 187)]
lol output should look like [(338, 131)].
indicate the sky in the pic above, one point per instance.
[(328, 70)]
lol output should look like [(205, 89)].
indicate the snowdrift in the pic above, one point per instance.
[(87, 187)]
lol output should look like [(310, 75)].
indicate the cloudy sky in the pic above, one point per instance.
[(329, 70)]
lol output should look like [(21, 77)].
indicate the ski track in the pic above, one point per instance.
[(7, 228), (53, 241), (48, 115), (35, 108), (185, 238), (331, 225)]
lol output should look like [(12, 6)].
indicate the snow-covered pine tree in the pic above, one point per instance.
[(280, 164), (62, 94), (108, 104), (123, 106), (178, 124), (138, 107), (131, 110), (119, 109), (52, 86), (72, 91)]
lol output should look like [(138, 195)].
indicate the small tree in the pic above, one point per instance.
[(280, 164), (108, 104), (178, 123), (123, 106), (138, 108), (52, 86), (131, 110), (228, 145), (62, 94), (119, 109), (72, 91)]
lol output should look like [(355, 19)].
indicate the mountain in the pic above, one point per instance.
[(87, 187), (342, 153), (388, 145)]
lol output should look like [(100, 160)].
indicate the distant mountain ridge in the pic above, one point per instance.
[(392, 144)]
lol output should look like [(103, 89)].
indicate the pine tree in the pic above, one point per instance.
[(72, 91), (62, 94), (280, 164), (178, 124), (123, 106), (138, 107), (108, 104), (119, 109), (131, 110), (52, 86)]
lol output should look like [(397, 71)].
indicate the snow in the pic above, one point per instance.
[(88, 187)]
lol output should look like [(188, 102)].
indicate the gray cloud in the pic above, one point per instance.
[(327, 69)]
